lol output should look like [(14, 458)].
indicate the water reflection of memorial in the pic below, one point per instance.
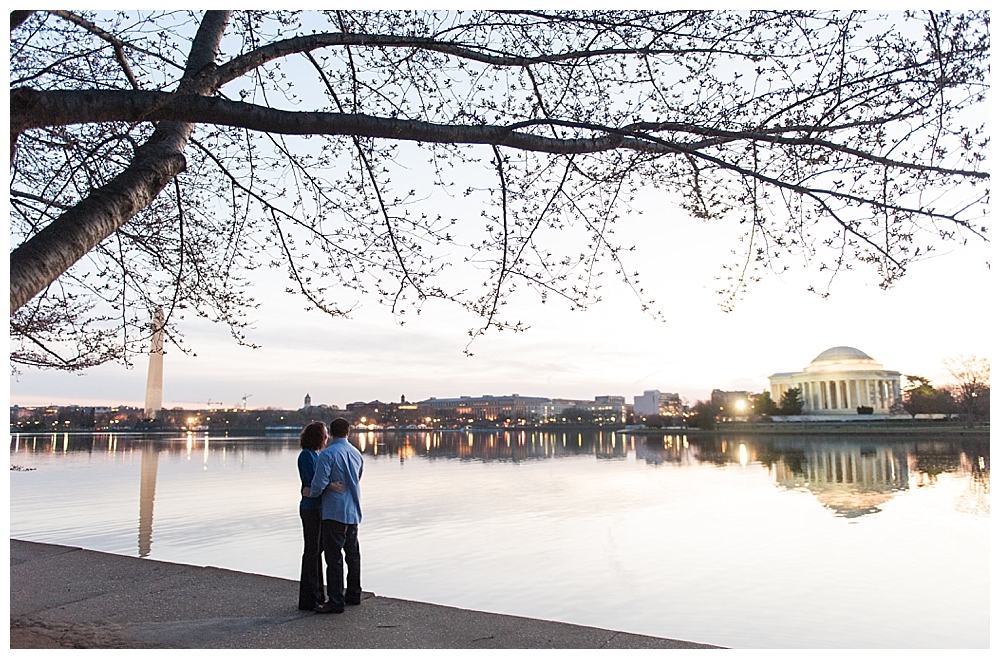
[(851, 479)]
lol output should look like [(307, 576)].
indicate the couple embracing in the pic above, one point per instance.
[(330, 512)]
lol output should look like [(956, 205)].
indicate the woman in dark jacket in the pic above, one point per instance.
[(311, 591)]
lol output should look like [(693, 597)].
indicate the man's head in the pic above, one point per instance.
[(339, 427)]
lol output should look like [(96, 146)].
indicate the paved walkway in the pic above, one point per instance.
[(65, 597)]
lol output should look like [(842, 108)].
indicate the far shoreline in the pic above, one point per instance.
[(883, 428)]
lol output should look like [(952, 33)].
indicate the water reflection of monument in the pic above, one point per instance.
[(850, 479), (147, 493)]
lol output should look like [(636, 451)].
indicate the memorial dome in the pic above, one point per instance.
[(840, 358), (841, 353)]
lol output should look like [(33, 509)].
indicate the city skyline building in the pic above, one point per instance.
[(492, 408), (653, 402), (732, 404), (527, 408)]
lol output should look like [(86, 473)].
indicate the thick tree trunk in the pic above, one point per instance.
[(49, 253), (19, 16), (36, 263)]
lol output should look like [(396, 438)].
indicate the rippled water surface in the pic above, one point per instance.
[(796, 542)]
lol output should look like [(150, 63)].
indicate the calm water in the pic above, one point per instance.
[(756, 542)]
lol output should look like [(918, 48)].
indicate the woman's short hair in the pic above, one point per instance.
[(313, 435)]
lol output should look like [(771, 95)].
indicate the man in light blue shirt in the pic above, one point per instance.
[(338, 463)]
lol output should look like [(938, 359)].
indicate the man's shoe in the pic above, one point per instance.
[(329, 608), (353, 602)]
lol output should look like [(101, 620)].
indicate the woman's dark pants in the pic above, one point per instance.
[(311, 578), (339, 538)]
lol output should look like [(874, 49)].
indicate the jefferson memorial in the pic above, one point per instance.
[(839, 381)]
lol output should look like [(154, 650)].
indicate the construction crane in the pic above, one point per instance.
[(245, 396)]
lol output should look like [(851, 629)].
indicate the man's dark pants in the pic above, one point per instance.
[(311, 577), (342, 538)]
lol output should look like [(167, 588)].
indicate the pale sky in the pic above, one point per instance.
[(941, 308)]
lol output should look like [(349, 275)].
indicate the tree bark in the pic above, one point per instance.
[(19, 16), (34, 109)]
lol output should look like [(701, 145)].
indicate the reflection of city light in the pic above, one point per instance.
[(743, 455)]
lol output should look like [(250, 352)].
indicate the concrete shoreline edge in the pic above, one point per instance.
[(68, 597)]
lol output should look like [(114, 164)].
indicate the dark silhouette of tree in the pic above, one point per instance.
[(919, 397), (703, 415), (763, 405), (971, 388), (160, 158), (791, 402)]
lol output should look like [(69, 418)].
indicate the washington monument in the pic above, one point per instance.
[(154, 380)]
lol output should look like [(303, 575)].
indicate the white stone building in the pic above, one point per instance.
[(839, 381), (653, 402)]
